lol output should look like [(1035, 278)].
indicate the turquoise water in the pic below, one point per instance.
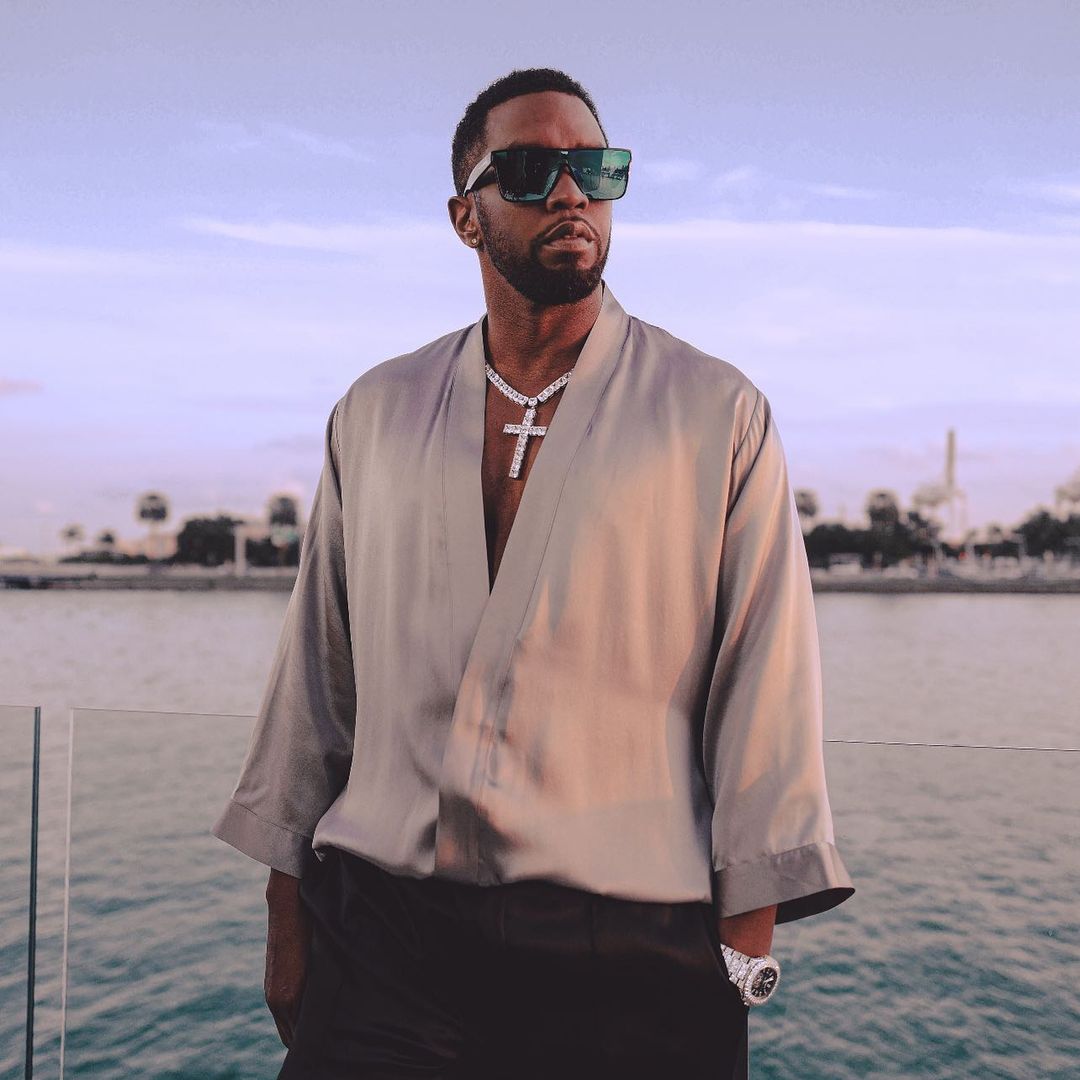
[(957, 957)]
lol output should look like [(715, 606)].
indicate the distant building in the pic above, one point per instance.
[(163, 546), (17, 555)]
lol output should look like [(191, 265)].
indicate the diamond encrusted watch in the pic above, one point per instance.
[(755, 977)]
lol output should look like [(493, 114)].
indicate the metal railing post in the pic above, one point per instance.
[(31, 939)]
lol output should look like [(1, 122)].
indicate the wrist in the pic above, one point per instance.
[(749, 932), (282, 887)]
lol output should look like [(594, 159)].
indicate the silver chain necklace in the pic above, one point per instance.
[(526, 427)]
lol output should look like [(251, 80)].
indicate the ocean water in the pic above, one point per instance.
[(958, 956)]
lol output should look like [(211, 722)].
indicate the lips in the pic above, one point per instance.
[(568, 229)]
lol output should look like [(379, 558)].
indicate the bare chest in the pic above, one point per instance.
[(502, 492)]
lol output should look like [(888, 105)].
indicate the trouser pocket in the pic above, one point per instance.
[(715, 946), (362, 902)]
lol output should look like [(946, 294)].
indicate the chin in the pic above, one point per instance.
[(568, 279), (555, 293)]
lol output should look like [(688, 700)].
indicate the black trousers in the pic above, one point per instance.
[(424, 977)]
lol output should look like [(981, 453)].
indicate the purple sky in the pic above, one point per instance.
[(212, 222)]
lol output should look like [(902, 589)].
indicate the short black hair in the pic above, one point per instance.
[(469, 135)]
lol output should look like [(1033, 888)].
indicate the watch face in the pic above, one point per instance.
[(763, 983)]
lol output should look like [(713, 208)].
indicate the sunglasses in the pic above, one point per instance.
[(528, 173)]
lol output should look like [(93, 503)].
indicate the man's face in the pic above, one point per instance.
[(516, 235)]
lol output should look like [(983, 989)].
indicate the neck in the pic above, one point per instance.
[(530, 345)]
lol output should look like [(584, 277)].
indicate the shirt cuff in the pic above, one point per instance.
[(802, 881), (277, 847)]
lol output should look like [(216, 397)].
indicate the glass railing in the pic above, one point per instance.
[(20, 737), (166, 925), (959, 954), (957, 957)]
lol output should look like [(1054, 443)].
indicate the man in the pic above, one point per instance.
[(542, 739)]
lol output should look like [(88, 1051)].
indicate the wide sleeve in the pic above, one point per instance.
[(300, 752), (772, 830)]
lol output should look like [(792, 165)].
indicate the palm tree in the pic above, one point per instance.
[(282, 510), (283, 515), (71, 536), (806, 502), (883, 510)]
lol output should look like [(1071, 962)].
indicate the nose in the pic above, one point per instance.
[(565, 191)]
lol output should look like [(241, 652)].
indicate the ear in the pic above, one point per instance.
[(464, 221)]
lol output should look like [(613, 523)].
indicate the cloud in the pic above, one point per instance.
[(668, 170), (270, 136), (1067, 192), (18, 260), (839, 191), (229, 135), (11, 387), (749, 193), (706, 231), (738, 180), (1067, 222), (258, 403), (322, 145), (346, 238), (293, 444), (126, 495), (829, 319), (53, 259)]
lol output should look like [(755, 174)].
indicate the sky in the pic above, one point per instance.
[(214, 216)]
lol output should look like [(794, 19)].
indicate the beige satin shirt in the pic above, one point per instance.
[(633, 709)]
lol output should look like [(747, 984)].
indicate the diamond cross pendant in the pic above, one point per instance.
[(526, 427), (523, 431)]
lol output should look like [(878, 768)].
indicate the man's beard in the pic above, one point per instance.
[(526, 274)]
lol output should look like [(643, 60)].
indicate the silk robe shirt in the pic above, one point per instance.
[(635, 708)]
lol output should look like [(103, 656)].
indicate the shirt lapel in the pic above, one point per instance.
[(463, 498)]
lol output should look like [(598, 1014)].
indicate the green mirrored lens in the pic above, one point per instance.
[(528, 174), (613, 174), (525, 174)]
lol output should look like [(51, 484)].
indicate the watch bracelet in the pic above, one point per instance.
[(740, 966)]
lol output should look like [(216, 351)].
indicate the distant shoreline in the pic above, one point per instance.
[(874, 583), (195, 580), (151, 581)]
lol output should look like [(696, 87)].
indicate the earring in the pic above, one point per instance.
[(473, 241)]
